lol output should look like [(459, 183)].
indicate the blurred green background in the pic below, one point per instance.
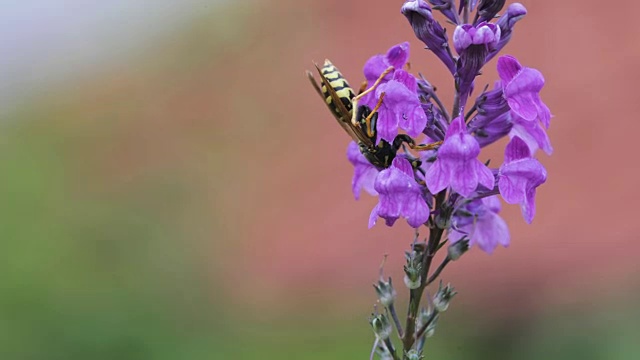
[(172, 188)]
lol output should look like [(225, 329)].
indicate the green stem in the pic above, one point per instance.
[(396, 321), (465, 12), (438, 270), (456, 105), (392, 350), (373, 349), (470, 112), (435, 236)]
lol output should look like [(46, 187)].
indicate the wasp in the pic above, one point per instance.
[(359, 121)]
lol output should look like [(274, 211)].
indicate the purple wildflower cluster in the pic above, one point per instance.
[(451, 187), (423, 161)]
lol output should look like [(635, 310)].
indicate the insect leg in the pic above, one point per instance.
[(375, 84), (354, 120), (423, 147), (404, 138), (399, 140), (374, 111)]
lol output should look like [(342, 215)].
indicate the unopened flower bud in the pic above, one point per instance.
[(431, 328), (381, 326), (386, 292), (458, 248), (515, 12), (426, 316), (488, 9), (427, 29), (413, 354), (447, 8), (507, 21), (490, 105), (413, 269), (443, 297), (412, 280), (473, 43), (443, 220)]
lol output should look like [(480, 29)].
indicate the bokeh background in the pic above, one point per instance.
[(172, 188)]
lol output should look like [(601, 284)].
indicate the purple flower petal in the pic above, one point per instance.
[(462, 38), (532, 134), (374, 67), (364, 174), (398, 55), (545, 115), (438, 177), (529, 205), (486, 35), (373, 217), (516, 150), (406, 79), (387, 126), (492, 203)]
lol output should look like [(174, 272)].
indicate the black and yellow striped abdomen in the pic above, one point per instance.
[(341, 87)]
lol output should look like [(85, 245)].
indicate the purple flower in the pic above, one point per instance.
[(399, 196), (364, 174), (531, 133), (428, 30), (473, 43), (400, 107), (479, 222), (397, 56), (522, 87), (519, 176), (457, 165), (507, 22)]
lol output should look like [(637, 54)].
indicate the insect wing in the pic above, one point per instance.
[(342, 114)]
